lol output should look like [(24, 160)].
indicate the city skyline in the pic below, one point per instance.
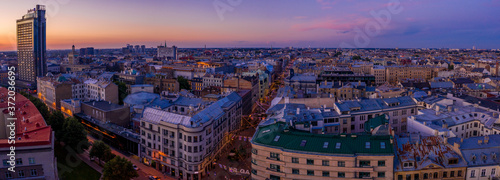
[(321, 23)]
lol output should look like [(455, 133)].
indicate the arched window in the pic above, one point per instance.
[(435, 175)]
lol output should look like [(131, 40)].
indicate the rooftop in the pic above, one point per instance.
[(277, 135)]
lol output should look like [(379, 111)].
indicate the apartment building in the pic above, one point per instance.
[(280, 152), (394, 74), (183, 139), (101, 90), (34, 145)]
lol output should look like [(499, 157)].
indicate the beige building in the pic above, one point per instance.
[(379, 73), (286, 154), (52, 90), (162, 83), (395, 74)]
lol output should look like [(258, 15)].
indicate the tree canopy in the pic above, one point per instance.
[(75, 135), (119, 168)]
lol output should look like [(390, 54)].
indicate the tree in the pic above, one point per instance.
[(122, 91), (118, 168), (56, 121), (100, 150), (451, 67), (183, 83), (74, 135)]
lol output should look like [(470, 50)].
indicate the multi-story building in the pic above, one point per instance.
[(197, 85), (31, 46), (341, 91), (345, 76), (281, 152), (429, 157), (167, 52), (184, 138), (452, 117), (243, 83), (101, 90), (395, 74), (481, 155), (213, 80), (162, 82), (106, 111), (34, 142), (52, 90), (344, 116), (379, 72)]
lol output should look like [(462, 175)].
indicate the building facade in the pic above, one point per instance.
[(31, 45), (184, 140), (282, 153)]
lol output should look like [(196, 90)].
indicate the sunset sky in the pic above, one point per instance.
[(261, 23)]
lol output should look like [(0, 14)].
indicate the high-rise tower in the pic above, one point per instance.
[(31, 45)]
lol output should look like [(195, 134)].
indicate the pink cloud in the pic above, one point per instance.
[(344, 24), (326, 4)]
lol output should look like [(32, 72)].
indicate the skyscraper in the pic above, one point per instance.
[(31, 45)]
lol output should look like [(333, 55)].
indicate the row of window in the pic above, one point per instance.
[(431, 175), (20, 174), (19, 161), (362, 163)]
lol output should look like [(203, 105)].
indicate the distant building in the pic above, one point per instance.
[(31, 46), (162, 83), (101, 90), (89, 51), (167, 52), (141, 88)]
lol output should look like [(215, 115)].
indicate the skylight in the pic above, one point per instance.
[(367, 145), (325, 145), (303, 143), (337, 146), (276, 138), (382, 145)]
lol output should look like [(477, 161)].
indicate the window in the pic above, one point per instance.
[(254, 151), (310, 172), (408, 177), (337, 145), (275, 156), (295, 171), (364, 174), (310, 161), (435, 175), (5, 162), (367, 145), (382, 145), (364, 163), (19, 161), (381, 174), (254, 161), (8, 175), (341, 164), (459, 173), (254, 171), (20, 173), (326, 173), (295, 160), (483, 172), (325, 163), (400, 177), (493, 171), (407, 164), (473, 173), (341, 174), (452, 174), (381, 163), (33, 172), (445, 174), (426, 176), (416, 177), (274, 167)]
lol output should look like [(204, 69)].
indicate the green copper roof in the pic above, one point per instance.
[(293, 140), (376, 121)]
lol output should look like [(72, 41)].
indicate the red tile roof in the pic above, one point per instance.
[(30, 125)]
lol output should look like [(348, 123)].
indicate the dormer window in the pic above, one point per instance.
[(473, 157), (453, 161), (493, 156), (407, 164)]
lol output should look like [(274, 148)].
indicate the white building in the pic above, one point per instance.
[(101, 90), (481, 154), (184, 139)]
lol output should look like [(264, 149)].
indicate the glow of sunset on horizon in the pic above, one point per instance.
[(259, 23)]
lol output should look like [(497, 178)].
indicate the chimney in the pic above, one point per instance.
[(298, 111), (461, 140), (445, 140), (450, 108)]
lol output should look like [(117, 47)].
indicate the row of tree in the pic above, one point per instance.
[(73, 134)]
